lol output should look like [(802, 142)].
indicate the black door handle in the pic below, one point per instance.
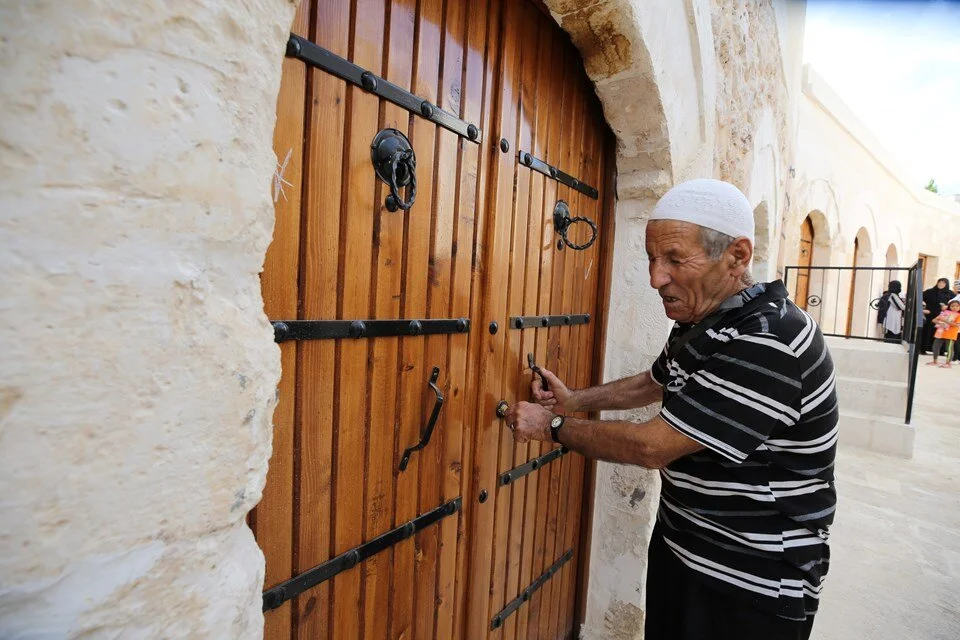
[(533, 367), (428, 432)]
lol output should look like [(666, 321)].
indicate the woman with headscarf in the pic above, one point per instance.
[(936, 299), (890, 314)]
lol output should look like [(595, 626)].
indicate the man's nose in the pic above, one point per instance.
[(659, 276)]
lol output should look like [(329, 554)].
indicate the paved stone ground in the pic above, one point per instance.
[(895, 545)]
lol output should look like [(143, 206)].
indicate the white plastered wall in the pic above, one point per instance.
[(843, 172), (138, 372)]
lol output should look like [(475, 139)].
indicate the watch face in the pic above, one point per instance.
[(556, 422)]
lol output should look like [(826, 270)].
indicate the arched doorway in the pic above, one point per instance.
[(478, 243), (864, 285), (804, 259), (892, 261)]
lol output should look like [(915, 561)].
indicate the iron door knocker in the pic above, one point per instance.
[(562, 223), (395, 163)]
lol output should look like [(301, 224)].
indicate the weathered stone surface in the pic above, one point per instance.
[(139, 374)]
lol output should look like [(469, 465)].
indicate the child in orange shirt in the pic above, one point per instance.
[(948, 326)]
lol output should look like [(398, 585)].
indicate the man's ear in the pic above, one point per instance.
[(740, 254)]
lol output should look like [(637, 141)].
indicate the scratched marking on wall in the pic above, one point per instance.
[(590, 266), (279, 180)]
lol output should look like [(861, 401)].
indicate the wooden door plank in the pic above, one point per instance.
[(482, 47), (319, 274), (552, 262), (450, 179), (539, 270), (522, 302), (387, 286), (353, 410), (579, 539), (557, 359), (563, 345), (497, 241), (275, 516), (584, 290), (512, 262), (411, 403), (424, 138)]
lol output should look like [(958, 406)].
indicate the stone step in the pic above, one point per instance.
[(867, 395), (876, 433), (867, 359)]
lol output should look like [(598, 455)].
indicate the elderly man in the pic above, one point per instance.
[(745, 439)]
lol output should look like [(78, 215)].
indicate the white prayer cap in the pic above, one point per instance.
[(712, 204)]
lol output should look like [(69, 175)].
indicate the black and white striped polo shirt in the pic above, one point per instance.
[(751, 512)]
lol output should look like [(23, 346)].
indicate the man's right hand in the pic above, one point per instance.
[(558, 399)]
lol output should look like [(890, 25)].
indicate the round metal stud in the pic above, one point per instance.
[(357, 329), (415, 328), (494, 327), (280, 331), (472, 131), (368, 81), (518, 323), (527, 159), (293, 48), (426, 109), (462, 325), (483, 496), (504, 145)]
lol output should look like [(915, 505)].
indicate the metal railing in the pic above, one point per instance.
[(844, 301)]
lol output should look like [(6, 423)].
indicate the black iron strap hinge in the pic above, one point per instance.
[(537, 322), (529, 160), (528, 467), (514, 604), (314, 55), (273, 598), (284, 330)]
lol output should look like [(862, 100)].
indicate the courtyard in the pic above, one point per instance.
[(895, 544)]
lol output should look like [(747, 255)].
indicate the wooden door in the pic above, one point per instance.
[(476, 537), (853, 285), (805, 259)]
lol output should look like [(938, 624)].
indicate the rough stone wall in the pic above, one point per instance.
[(138, 372)]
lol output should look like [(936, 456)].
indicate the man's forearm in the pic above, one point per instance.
[(627, 393), (653, 444)]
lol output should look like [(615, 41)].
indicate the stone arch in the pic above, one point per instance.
[(811, 286), (863, 286)]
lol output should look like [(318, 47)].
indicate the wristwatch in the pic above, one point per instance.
[(555, 426)]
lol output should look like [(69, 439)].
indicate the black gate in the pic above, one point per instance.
[(845, 302)]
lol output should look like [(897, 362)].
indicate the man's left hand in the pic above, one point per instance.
[(529, 421)]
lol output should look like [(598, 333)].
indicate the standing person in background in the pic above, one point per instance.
[(948, 326), (936, 298), (890, 312)]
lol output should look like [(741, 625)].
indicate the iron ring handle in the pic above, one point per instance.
[(428, 432), (408, 159), (588, 243)]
